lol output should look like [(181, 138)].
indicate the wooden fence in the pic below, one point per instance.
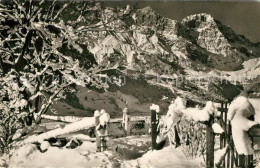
[(231, 159)]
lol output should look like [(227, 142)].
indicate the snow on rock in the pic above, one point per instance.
[(217, 128), (155, 108), (239, 111), (45, 145)]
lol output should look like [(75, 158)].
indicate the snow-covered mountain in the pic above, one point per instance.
[(142, 42), (145, 41)]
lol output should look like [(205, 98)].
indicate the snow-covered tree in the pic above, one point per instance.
[(41, 59)]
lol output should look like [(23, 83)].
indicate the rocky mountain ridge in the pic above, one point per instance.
[(145, 41)]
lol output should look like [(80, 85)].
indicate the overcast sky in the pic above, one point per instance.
[(242, 17)]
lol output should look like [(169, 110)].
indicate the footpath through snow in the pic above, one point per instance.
[(167, 157)]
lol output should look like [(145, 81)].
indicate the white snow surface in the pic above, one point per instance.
[(167, 157), (174, 113), (239, 110), (45, 145), (104, 118), (155, 108), (219, 153), (85, 155), (53, 157), (217, 128), (96, 113), (197, 114)]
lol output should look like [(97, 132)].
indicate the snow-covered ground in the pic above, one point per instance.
[(167, 157), (131, 151), (123, 152), (251, 70)]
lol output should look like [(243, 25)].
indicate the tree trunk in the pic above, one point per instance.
[(153, 129)]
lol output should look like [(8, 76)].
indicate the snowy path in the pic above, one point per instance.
[(167, 157)]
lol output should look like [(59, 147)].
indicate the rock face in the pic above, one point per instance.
[(143, 40)]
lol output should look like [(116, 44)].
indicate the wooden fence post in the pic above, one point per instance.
[(210, 137), (153, 129), (245, 161), (98, 139), (126, 122), (241, 160)]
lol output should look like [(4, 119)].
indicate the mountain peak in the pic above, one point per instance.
[(147, 9), (156, 43), (147, 16), (194, 20)]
